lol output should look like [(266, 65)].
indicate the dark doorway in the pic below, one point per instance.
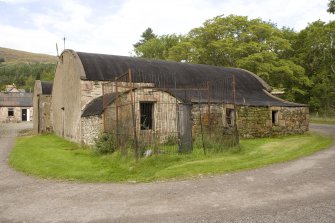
[(275, 117), (24, 115)]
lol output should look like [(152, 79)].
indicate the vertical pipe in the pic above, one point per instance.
[(133, 113)]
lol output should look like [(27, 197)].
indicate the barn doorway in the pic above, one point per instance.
[(24, 115)]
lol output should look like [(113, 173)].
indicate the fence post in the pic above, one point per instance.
[(116, 113), (236, 136), (201, 127), (133, 113)]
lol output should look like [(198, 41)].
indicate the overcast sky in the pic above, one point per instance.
[(112, 26)]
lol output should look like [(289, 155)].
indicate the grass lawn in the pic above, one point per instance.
[(319, 120), (49, 156)]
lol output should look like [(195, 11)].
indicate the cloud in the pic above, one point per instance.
[(28, 39), (18, 1), (113, 26)]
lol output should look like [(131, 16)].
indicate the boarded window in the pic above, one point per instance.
[(230, 113), (274, 117), (10, 112), (146, 109)]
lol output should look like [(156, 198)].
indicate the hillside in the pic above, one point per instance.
[(23, 68), (16, 56)]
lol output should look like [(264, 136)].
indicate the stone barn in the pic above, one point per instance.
[(42, 121), (81, 109), (15, 105)]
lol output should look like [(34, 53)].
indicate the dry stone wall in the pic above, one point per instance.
[(91, 127), (258, 121), (253, 122)]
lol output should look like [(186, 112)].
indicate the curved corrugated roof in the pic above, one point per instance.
[(95, 107), (250, 89)]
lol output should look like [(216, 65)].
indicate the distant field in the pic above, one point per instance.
[(321, 120), (17, 56)]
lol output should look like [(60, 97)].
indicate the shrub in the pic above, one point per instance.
[(105, 143)]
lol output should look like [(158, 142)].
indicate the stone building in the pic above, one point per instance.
[(15, 105), (80, 109), (42, 121)]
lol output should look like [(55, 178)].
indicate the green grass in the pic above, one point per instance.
[(321, 120), (49, 156)]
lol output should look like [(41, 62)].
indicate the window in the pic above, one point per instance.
[(10, 112), (146, 109), (274, 117), (230, 113)]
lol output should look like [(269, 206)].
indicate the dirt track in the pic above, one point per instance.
[(298, 191)]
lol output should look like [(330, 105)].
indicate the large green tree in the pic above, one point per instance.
[(236, 41), (315, 51), (147, 35), (331, 6), (158, 47)]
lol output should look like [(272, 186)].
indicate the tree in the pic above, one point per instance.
[(301, 63), (255, 45), (158, 47), (331, 6), (315, 51), (23, 75), (147, 35)]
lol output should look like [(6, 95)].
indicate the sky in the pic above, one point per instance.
[(113, 26)]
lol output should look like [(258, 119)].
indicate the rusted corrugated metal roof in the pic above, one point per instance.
[(95, 107), (250, 89), (16, 99)]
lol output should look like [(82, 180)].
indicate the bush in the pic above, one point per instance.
[(105, 143)]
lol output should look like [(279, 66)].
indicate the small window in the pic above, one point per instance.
[(146, 109), (230, 116), (274, 117), (10, 112)]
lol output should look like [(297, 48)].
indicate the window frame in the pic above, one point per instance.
[(146, 115), (10, 112), (230, 116)]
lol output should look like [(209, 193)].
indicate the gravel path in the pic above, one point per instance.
[(298, 191)]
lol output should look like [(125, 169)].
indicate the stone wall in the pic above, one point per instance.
[(45, 114), (213, 115), (91, 127), (258, 121), (89, 91), (253, 122)]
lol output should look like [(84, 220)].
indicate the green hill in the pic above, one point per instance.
[(23, 68), (11, 56)]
